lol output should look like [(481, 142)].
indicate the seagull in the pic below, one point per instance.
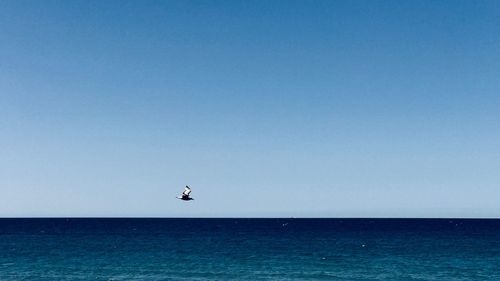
[(185, 194)]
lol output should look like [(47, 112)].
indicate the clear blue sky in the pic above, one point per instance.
[(290, 108)]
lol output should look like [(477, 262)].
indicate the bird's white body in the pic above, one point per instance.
[(185, 194)]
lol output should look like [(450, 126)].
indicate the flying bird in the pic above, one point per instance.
[(185, 194)]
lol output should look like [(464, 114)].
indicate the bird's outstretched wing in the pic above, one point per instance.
[(187, 190)]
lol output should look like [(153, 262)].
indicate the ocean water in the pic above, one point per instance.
[(249, 249)]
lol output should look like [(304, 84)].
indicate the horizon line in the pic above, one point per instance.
[(348, 218)]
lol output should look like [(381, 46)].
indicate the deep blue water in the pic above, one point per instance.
[(249, 249)]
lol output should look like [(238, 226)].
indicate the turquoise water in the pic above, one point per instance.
[(249, 249)]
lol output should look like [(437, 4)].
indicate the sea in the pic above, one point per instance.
[(248, 249)]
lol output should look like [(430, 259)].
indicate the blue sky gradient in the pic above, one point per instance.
[(290, 108)]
